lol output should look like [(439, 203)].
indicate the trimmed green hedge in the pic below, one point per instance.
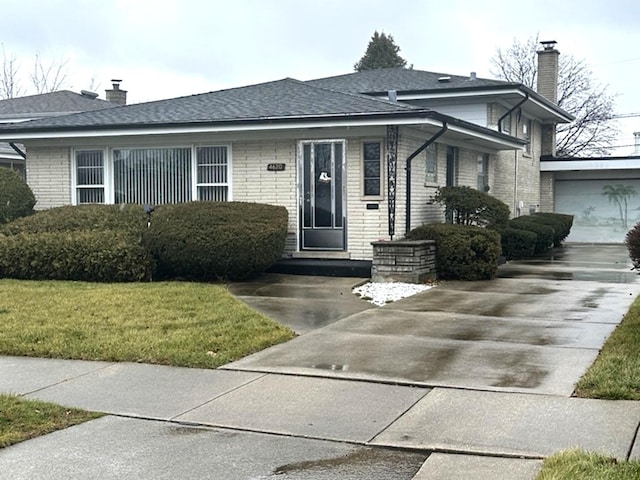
[(544, 233), (97, 256), (16, 198), (517, 243), (100, 243), (216, 240), (463, 252), (561, 224), (129, 218)]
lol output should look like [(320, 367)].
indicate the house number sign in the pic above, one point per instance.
[(275, 167)]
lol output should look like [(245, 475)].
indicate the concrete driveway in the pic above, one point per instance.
[(534, 329)]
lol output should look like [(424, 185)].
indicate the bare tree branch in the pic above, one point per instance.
[(9, 83), (50, 77), (594, 130)]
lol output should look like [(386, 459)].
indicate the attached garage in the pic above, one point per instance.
[(603, 195)]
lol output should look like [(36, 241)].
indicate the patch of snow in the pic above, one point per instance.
[(381, 293)]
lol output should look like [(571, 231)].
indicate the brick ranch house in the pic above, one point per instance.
[(338, 153)]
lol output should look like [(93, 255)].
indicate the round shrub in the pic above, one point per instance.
[(517, 243), (468, 206), (463, 252), (16, 198), (97, 256), (545, 234), (216, 240), (130, 218)]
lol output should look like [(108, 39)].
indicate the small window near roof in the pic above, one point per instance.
[(372, 169), (431, 164)]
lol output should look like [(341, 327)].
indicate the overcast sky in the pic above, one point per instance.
[(168, 48)]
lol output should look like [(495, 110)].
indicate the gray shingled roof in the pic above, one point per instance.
[(401, 79), (61, 102), (276, 100)]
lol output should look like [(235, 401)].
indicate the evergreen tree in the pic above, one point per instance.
[(381, 52)]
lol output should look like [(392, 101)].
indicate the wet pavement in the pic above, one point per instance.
[(116, 448), (466, 380), (532, 333), (302, 303)]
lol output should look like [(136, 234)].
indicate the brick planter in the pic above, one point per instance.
[(409, 261)]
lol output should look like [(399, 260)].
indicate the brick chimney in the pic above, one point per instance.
[(548, 88), (116, 95)]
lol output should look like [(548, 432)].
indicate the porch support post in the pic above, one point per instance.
[(392, 174)]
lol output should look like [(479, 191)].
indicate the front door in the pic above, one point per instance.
[(322, 212)]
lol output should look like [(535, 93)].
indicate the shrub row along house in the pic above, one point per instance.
[(354, 158)]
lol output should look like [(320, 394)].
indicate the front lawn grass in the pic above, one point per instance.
[(22, 419), (579, 465), (616, 372), (171, 323)]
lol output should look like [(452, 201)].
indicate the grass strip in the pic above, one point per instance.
[(22, 419), (580, 465), (615, 374)]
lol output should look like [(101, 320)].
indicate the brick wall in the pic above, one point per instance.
[(547, 192), (49, 176), (252, 182)]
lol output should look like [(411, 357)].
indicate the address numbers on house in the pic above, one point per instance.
[(275, 167)]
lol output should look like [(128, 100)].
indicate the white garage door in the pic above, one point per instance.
[(604, 210)]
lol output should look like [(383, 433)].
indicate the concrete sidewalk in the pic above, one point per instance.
[(467, 380)]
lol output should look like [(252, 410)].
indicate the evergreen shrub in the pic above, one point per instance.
[(463, 252), (95, 256), (517, 243), (216, 240), (16, 198), (544, 233), (468, 206)]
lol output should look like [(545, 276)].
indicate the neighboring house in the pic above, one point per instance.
[(64, 102), (602, 193), (339, 160)]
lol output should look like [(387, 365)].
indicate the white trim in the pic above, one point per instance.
[(569, 165), (134, 132), (5, 155), (105, 172), (475, 93), (194, 169), (108, 180)]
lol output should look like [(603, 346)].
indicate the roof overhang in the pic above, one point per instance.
[(457, 130), (586, 164), (509, 95)]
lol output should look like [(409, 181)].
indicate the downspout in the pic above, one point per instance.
[(445, 127), (18, 151), (509, 112)]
